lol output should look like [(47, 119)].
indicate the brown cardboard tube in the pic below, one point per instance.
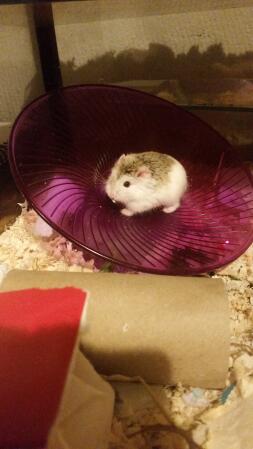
[(164, 329)]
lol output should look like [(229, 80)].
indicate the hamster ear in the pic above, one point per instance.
[(143, 172), (121, 157)]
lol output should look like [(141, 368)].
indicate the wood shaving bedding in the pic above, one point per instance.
[(138, 423), (21, 249)]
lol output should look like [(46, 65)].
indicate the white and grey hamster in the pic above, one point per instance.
[(145, 181)]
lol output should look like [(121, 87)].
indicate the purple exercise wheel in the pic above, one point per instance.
[(63, 145)]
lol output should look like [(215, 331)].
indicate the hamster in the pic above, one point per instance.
[(146, 181)]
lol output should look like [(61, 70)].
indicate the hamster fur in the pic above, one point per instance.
[(145, 181)]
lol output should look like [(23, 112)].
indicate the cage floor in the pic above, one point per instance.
[(138, 422)]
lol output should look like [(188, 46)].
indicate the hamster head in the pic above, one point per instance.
[(129, 181)]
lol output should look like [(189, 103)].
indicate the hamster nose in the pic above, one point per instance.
[(112, 198)]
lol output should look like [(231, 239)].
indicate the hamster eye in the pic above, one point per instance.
[(126, 184)]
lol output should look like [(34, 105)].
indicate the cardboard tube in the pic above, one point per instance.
[(164, 329)]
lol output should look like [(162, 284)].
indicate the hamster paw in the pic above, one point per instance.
[(170, 209), (127, 212)]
